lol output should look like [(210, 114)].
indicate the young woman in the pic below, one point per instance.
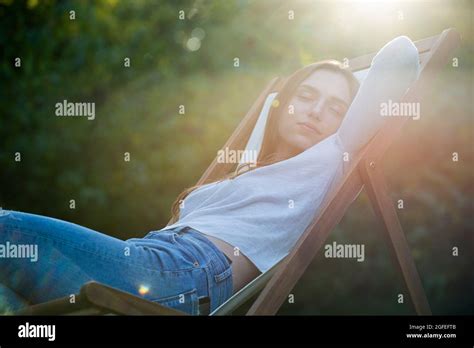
[(229, 231)]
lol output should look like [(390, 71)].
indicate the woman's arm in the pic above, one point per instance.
[(393, 70)]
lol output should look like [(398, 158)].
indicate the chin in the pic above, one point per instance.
[(302, 143)]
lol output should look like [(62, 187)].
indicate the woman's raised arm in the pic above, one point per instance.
[(392, 71)]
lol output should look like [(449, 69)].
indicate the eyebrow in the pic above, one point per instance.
[(332, 98)]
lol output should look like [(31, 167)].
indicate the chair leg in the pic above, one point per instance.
[(377, 191)]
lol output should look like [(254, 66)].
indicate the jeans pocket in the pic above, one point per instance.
[(221, 284), (187, 302), (175, 238)]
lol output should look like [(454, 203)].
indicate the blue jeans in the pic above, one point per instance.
[(178, 268)]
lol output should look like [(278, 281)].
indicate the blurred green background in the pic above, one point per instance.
[(191, 62)]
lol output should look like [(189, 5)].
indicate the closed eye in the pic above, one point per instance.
[(336, 111), (304, 97)]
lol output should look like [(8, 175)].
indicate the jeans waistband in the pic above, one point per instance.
[(219, 271), (208, 241)]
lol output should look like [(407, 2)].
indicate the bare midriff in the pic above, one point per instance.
[(243, 270)]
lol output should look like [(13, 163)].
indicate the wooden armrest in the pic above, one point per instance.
[(99, 299), (122, 302)]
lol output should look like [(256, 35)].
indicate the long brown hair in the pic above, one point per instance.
[(286, 90)]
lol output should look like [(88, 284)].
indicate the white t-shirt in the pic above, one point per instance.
[(263, 212)]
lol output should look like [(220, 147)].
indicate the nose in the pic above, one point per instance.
[(316, 110)]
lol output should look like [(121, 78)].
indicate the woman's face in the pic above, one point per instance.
[(314, 112)]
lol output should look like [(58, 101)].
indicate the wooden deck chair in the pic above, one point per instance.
[(365, 171)]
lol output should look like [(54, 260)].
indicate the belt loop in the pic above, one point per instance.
[(183, 230)]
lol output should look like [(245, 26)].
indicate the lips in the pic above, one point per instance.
[(310, 127)]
